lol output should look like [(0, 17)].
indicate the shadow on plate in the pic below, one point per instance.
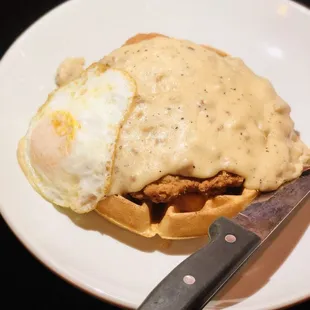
[(93, 221)]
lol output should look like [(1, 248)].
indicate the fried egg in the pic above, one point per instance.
[(68, 151)]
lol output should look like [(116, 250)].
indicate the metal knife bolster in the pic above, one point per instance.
[(196, 280)]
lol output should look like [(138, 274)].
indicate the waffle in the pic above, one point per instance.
[(188, 216)]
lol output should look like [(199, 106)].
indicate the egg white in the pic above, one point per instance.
[(68, 152)]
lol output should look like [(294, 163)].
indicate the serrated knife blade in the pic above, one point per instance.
[(268, 211)]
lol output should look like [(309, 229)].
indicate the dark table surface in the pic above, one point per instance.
[(25, 281)]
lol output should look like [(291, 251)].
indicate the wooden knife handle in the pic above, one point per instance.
[(196, 280)]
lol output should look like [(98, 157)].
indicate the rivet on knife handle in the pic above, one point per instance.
[(195, 281)]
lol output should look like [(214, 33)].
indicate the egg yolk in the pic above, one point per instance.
[(51, 141), (64, 124)]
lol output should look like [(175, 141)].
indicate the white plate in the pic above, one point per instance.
[(272, 38)]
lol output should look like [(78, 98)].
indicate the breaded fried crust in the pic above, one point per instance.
[(170, 187)]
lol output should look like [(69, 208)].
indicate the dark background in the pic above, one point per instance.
[(26, 282)]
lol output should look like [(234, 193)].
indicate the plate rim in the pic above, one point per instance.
[(40, 256)]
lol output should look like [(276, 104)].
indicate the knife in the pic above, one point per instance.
[(232, 241)]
